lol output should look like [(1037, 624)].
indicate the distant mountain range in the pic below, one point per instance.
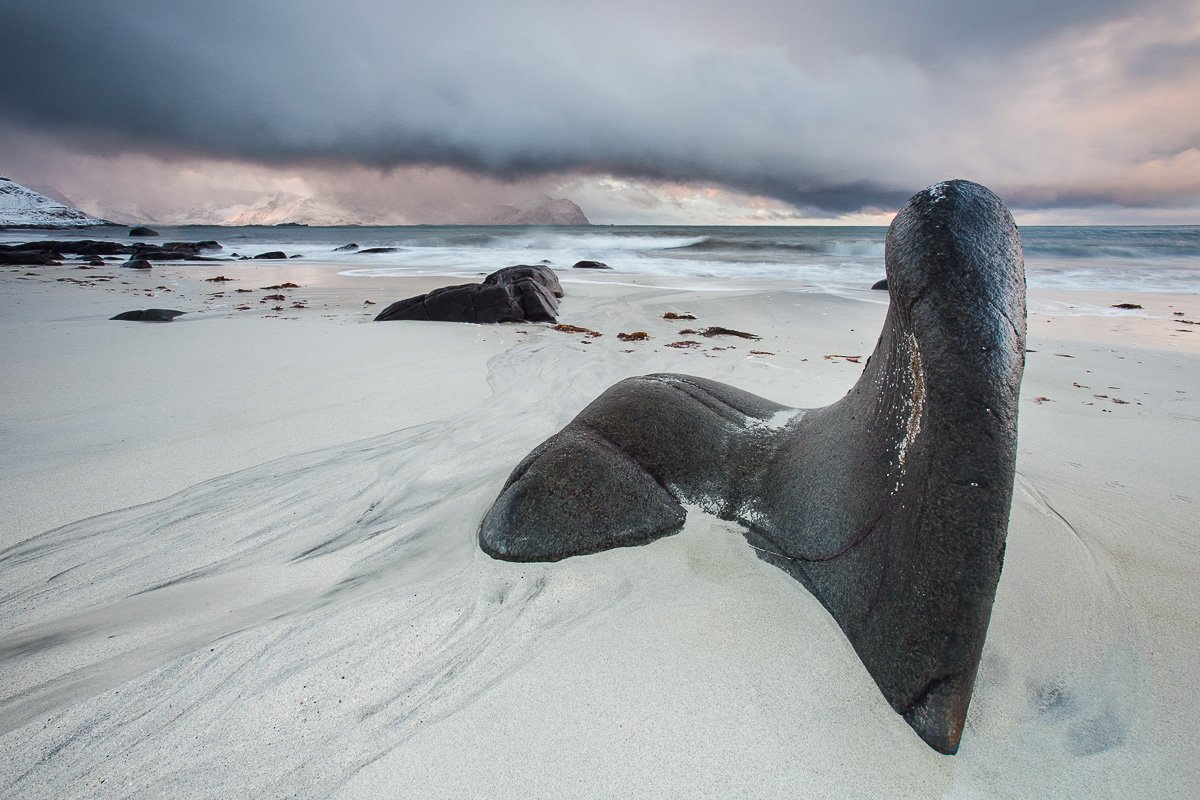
[(22, 207), (281, 208)]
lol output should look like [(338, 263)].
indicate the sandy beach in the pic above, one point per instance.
[(240, 560)]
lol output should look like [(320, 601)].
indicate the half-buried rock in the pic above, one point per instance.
[(513, 294), (891, 505), (149, 315)]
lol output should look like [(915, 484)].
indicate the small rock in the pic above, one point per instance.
[(880, 285), (379, 250), (149, 315), (142, 230), (273, 254), (346, 248), (590, 265)]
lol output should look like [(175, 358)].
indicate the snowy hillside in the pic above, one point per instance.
[(21, 207)]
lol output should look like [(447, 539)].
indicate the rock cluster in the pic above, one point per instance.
[(51, 252)]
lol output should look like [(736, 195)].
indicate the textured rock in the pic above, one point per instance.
[(149, 315), (891, 506), (537, 272)]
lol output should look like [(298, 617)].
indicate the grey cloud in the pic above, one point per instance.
[(820, 105)]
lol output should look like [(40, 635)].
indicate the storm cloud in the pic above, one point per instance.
[(829, 106)]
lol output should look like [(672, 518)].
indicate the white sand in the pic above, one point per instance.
[(286, 598)]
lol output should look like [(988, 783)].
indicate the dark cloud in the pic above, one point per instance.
[(830, 106)]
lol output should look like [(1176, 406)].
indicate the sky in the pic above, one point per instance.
[(654, 111)]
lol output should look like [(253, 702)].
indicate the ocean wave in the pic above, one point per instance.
[(833, 247), (1131, 253)]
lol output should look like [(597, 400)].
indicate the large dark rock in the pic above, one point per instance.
[(883, 284), (142, 230), (537, 272), (137, 262), (590, 265), (149, 315), (891, 506), (271, 255), (521, 300)]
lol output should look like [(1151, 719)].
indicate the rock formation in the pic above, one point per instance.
[(891, 506)]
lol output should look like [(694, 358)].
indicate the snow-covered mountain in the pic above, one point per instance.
[(22, 207)]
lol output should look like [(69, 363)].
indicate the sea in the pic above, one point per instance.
[(1091, 258)]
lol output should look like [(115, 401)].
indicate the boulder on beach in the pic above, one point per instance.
[(273, 254), (142, 230), (880, 285), (891, 506), (137, 262), (590, 265), (149, 315), (513, 294)]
